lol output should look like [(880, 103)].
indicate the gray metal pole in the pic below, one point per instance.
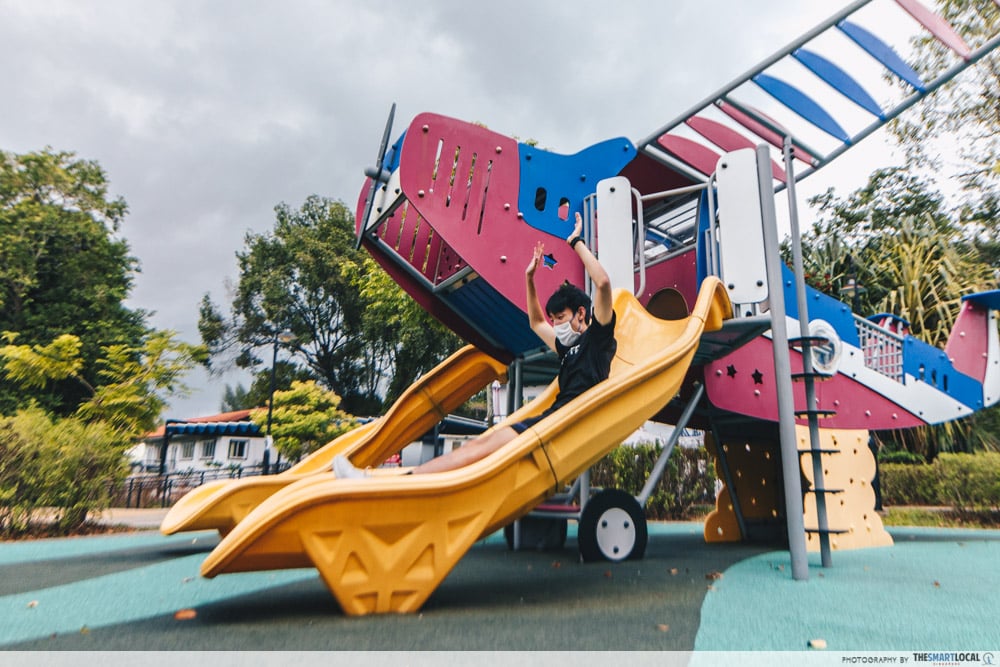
[(518, 400), (807, 367), (782, 371), (668, 448)]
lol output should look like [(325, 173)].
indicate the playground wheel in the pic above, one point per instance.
[(612, 527)]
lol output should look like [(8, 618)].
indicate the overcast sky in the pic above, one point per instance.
[(205, 115)]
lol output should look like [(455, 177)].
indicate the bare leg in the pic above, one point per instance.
[(472, 451)]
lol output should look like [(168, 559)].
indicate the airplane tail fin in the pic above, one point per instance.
[(974, 343)]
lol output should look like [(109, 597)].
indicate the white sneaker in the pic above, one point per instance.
[(345, 470)]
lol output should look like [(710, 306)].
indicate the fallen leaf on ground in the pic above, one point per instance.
[(607, 573), (663, 627), (32, 604), (185, 614), (556, 564), (937, 584), (713, 575)]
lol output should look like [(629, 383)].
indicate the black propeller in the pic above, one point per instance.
[(378, 174)]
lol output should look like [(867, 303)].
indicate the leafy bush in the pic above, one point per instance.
[(965, 482), (899, 456), (969, 482), (908, 484), (56, 470), (689, 479)]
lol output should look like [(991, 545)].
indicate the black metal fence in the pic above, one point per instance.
[(153, 490)]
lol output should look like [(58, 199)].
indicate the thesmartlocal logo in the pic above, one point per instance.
[(964, 658)]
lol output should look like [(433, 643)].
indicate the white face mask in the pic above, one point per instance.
[(565, 333)]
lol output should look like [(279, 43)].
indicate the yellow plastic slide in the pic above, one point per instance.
[(222, 504), (384, 544)]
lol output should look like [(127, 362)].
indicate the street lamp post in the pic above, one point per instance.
[(853, 288), (283, 337)]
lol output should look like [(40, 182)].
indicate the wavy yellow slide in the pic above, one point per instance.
[(222, 504), (384, 544)]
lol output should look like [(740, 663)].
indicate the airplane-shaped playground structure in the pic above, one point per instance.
[(714, 332)]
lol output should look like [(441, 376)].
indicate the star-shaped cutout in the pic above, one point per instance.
[(731, 371), (758, 377)]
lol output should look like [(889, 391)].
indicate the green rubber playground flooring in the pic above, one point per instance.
[(937, 588)]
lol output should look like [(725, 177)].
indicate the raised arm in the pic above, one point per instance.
[(599, 277), (536, 316)]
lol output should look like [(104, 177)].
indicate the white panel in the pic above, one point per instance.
[(991, 383), (741, 236), (614, 231), (385, 197)]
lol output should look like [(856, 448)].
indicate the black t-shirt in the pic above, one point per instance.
[(587, 362)]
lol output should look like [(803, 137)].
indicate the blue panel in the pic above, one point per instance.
[(919, 359), (821, 307), (213, 428), (881, 52), (896, 319), (497, 317), (989, 300), (654, 236), (931, 365), (703, 222), (839, 79), (391, 160), (549, 178), (802, 104)]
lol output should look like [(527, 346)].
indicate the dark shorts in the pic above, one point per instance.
[(522, 426)]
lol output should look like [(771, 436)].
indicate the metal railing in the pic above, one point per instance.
[(154, 490), (882, 349)]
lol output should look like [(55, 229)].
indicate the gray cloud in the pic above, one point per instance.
[(206, 115)]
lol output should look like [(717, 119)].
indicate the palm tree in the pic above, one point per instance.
[(915, 262)]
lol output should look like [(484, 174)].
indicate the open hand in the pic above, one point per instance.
[(536, 259), (578, 229)]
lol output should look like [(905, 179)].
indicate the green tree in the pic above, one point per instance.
[(128, 388), (852, 231), (236, 398), (83, 374), (305, 418), (960, 123), (894, 236), (914, 260), (305, 276), (403, 340), (955, 133), (62, 268)]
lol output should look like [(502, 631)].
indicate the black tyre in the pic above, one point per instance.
[(612, 528)]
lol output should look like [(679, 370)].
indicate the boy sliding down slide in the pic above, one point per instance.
[(584, 341)]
